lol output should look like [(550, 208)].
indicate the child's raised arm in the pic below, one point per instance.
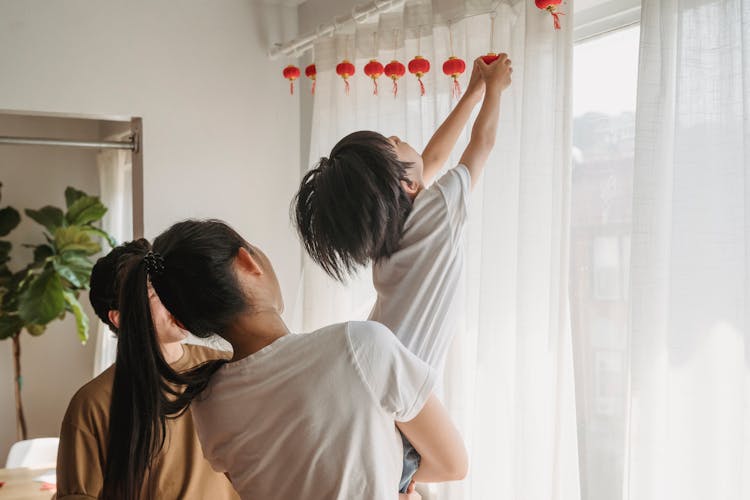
[(441, 144), (496, 78)]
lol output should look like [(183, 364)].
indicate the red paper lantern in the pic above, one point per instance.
[(291, 73), (418, 67), (311, 72), (395, 70), (345, 69), (490, 57), (374, 69), (455, 67), (551, 7)]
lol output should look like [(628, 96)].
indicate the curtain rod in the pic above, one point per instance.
[(359, 14), (131, 144)]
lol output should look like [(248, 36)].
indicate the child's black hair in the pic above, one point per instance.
[(190, 267), (351, 208)]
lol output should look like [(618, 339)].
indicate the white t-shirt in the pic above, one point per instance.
[(313, 416), (417, 285)]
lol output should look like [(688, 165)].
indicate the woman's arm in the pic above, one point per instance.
[(437, 440)]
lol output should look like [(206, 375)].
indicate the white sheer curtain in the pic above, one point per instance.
[(689, 420), (509, 380), (116, 188)]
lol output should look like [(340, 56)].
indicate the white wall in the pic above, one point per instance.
[(221, 133), (55, 364)]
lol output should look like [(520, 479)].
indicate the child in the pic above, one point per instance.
[(368, 202)]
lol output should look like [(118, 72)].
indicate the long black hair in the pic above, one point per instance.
[(190, 267), (351, 208)]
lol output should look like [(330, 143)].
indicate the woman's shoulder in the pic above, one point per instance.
[(197, 354)]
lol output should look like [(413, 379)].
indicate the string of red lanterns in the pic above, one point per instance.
[(453, 67)]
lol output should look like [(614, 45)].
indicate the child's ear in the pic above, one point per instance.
[(248, 262), (410, 187)]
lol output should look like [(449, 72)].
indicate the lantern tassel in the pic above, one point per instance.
[(421, 87), (346, 86), (395, 88), (312, 90), (456, 88), (555, 16), (375, 87), (291, 87)]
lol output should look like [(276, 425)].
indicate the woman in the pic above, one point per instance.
[(290, 416)]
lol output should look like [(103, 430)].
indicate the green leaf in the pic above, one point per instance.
[(42, 299), (66, 273), (9, 219), (72, 195), (10, 325), (79, 264), (42, 253), (50, 217), (104, 234), (85, 210), (75, 238), (82, 321), (5, 248), (35, 330)]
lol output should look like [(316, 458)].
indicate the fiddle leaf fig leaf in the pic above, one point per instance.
[(79, 264), (10, 325), (72, 195), (42, 253), (50, 217), (85, 210), (35, 330), (75, 238), (104, 234), (9, 219), (42, 300), (66, 273), (82, 320), (5, 247)]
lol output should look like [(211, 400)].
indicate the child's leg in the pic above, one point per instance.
[(411, 464)]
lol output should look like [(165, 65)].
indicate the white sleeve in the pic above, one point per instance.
[(455, 185), (398, 381)]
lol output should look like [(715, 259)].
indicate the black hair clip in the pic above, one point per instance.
[(154, 263)]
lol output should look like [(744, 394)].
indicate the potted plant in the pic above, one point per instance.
[(48, 287)]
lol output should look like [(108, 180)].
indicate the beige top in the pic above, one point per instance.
[(181, 471)]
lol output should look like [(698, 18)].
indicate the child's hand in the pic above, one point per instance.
[(497, 76), (476, 82)]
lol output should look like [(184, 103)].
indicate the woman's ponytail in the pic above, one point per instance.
[(196, 283)]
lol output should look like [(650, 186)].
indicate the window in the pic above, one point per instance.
[(604, 86)]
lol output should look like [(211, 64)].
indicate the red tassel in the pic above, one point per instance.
[(456, 88), (421, 87), (375, 89), (395, 88), (312, 91), (291, 87), (555, 16), (346, 86)]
